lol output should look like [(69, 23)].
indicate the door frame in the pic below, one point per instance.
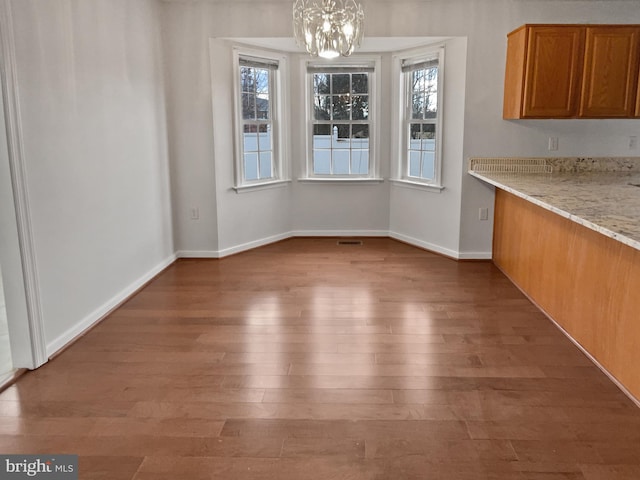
[(17, 249)]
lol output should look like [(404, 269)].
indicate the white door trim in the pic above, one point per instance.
[(15, 147)]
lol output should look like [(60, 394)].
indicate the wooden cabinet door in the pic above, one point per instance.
[(609, 82), (553, 69)]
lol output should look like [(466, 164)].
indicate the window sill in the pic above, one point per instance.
[(430, 187), (352, 181), (254, 187)]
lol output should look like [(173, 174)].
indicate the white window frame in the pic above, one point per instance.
[(403, 109), (278, 100), (370, 63)]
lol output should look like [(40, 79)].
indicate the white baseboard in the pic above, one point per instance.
[(232, 250), (255, 244), (340, 233), (426, 245), (98, 314), (197, 254), (334, 233), (475, 256)]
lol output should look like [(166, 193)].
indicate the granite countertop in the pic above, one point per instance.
[(600, 199)]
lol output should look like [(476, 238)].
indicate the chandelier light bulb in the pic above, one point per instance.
[(328, 28)]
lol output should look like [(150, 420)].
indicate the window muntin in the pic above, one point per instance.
[(341, 124), (422, 119)]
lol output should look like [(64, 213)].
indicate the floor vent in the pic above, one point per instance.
[(349, 242)]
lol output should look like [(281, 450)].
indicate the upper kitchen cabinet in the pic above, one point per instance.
[(572, 71), (544, 64), (610, 78)]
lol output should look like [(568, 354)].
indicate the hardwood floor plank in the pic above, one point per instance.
[(305, 359), (109, 468)]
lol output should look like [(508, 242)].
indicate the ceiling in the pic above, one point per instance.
[(369, 44)]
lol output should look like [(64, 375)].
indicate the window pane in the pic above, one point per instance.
[(416, 133), (428, 132), (341, 136), (321, 83), (248, 106), (417, 107), (360, 131), (360, 83), (359, 162), (262, 80), (322, 136), (265, 165), (428, 165), (322, 108), (341, 107), (414, 164), (417, 81), (340, 83), (262, 107), (322, 162), (251, 166), (247, 80), (250, 140), (431, 93), (264, 138), (341, 162), (360, 107)]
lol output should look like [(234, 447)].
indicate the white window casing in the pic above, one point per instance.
[(342, 127), (260, 123), (419, 131)]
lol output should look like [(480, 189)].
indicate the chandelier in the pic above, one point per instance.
[(328, 28)]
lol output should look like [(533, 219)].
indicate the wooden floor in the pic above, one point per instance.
[(309, 360)]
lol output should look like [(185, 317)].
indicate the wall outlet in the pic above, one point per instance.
[(553, 143), (483, 214), (633, 142), (195, 213)]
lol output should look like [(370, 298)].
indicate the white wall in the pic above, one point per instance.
[(190, 127), (338, 209), (251, 218), (447, 222), (93, 125), (431, 219)]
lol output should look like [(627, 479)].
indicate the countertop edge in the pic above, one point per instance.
[(574, 218)]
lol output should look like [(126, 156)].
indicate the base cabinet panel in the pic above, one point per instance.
[(585, 281)]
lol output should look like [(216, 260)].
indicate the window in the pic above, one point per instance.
[(258, 115), (422, 118), (341, 121)]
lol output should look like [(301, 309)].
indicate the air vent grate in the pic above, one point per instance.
[(510, 165), (349, 242)]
